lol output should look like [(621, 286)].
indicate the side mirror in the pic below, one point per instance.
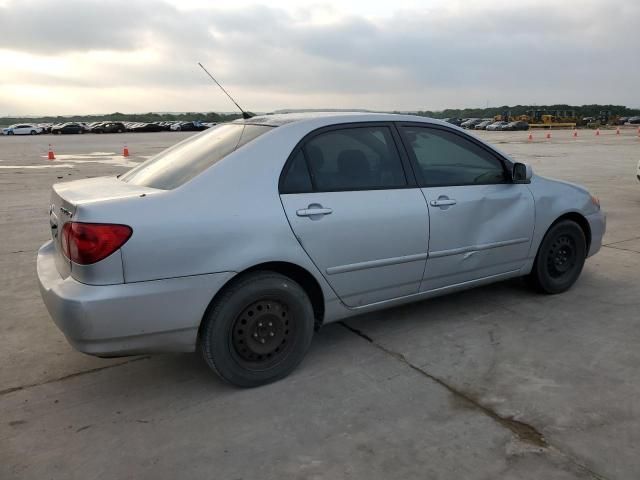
[(521, 173)]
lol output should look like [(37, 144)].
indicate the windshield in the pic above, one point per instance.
[(180, 163)]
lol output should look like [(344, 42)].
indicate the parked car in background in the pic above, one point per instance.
[(483, 125), (517, 125), (194, 126), (22, 129), (496, 125), (109, 127), (171, 256), (146, 127), (471, 123), (454, 121), (69, 127), (634, 120), (96, 127)]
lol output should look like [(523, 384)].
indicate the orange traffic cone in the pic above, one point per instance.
[(639, 131), (548, 135), (617, 130), (575, 133), (125, 151), (531, 135), (597, 132), (51, 155)]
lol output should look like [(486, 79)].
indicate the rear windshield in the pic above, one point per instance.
[(180, 163)]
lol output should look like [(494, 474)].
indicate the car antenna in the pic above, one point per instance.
[(245, 115)]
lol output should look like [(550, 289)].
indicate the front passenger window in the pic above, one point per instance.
[(447, 159)]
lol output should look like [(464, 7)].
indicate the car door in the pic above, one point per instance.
[(481, 223), (353, 204), (21, 130)]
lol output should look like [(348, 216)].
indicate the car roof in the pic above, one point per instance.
[(330, 118)]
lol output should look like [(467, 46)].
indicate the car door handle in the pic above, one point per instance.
[(444, 202), (312, 211)]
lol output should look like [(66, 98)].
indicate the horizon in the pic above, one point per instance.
[(328, 109)]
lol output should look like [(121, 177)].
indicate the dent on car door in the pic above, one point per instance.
[(351, 205), (481, 224)]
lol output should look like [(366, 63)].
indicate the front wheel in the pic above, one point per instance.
[(258, 329), (560, 258)]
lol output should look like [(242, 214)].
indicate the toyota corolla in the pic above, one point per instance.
[(241, 241)]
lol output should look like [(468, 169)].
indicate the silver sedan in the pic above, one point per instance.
[(243, 240)]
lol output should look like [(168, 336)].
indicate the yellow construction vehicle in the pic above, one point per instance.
[(556, 118)]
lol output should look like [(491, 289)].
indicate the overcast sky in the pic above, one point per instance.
[(85, 56)]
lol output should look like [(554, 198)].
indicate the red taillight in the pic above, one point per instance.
[(87, 243)]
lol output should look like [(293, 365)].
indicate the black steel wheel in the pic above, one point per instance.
[(560, 258), (262, 333), (257, 330)]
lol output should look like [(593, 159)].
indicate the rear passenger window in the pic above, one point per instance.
[(445, 159), (297, 179), (359, 158)]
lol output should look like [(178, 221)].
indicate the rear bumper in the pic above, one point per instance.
[(598, 226), (129, 318)]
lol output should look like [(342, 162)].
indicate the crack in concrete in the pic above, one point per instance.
[(522, 430), (19, 251), (71, 375), (619, 248), (620, 241)]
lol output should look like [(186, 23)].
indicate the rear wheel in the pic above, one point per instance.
[(33, 132), (560, 258), (258, 329)]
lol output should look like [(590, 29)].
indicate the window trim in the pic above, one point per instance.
[(285, 171), (397, 142), (507, 165)]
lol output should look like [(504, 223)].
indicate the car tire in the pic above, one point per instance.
[(560, 258), (80, 132), (9, 133), (257, 330), (120, 130), (33, 132)]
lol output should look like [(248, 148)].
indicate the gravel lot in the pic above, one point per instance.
[(497, 382)]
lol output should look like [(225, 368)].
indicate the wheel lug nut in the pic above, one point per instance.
[(270, 324), (259, 324), (262, 340), (255, 335), (271, 334)]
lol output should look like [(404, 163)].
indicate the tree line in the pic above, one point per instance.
[(129, 117), (580, 111)]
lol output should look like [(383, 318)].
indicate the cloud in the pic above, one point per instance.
[(449, 53)]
